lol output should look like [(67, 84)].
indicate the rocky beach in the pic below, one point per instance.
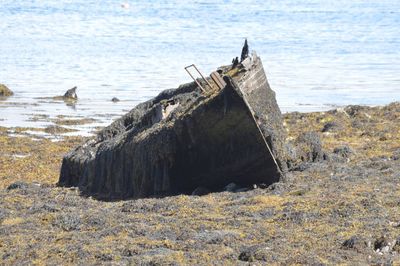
[(341, 208), (106, 160)]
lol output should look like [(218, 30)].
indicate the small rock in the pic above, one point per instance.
[(71, 94), (104, 257), (200, 191), (17, 185), (253, 253), (217, 236), (396, 155), (383, 138), (67, 222), (54, 130), (394, 224), (115, 99), (310, 147), (381, 244), (343, 151), (331, 126), (354, 110), (128, 252), (50, 208), (246, 256), (5, 91), (396, 246), (302, 167), (355, 243)]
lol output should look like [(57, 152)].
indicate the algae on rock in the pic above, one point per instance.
[(5, 91)]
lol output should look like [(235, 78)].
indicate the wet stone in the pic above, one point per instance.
[(255, 253), (17, 185), (396, 155), (331, 127), (396, 246), (67, 222), (71, 94), (309, 147), (5, 91), (343, 151), (355, 243), (381, 244)]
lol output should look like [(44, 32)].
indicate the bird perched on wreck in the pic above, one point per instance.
[(235, 62), (245, 51)]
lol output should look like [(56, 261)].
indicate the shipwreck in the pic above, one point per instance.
[(216, 130)]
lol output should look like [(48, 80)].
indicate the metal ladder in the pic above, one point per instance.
[(214, 76)]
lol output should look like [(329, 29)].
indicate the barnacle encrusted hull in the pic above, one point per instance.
[(185, 138)]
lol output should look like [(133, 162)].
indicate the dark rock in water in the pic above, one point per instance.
[(54, 130), (5, 91), (70, 97), (184, 139), (115, 99), (71, 94)]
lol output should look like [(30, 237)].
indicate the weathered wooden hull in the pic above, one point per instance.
[(183, 139)]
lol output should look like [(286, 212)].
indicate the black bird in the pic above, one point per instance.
[(235, 62), (245, 51)]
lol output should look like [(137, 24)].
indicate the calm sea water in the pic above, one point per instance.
[(316, 53)]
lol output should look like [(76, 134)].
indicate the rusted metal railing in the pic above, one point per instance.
[(195, 80)]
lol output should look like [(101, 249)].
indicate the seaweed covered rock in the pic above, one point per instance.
[(186, 138), (71, 94), (5, 91)]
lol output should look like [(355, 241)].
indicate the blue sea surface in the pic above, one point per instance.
[(317, 54)]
